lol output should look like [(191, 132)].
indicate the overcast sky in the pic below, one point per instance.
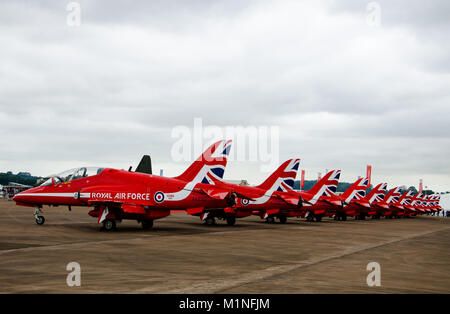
[(344, 91)]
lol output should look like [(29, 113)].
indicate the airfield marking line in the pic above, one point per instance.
[(218, 286)]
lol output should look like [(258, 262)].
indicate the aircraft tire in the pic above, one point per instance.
[(147, 224), (40, 220), (270, 220), (282, 219), (210, 221), (344, 217), (109, 224), (231, 221), (318, 218)]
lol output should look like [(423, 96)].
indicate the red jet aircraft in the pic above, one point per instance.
[(317, 202), (119, 194), (271, 195), (392, 198), (321, 199), (405, 201), (416, 203), (435, 203), (353, 203), (378, 205), (360, 206)]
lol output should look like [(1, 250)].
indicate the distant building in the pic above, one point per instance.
[(8, 191), (238, 182)]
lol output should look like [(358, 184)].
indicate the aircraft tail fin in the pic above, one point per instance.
[(145, 165), (356, 191), (283, 178), (326, 185), (210, 166), (377, 193), (393, 196), (405, 198)]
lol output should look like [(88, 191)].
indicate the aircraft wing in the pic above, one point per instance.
[(288, 198), (333, 201), (244, 196), (213, 192), (362, 203)]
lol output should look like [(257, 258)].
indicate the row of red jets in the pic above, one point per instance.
[(118, 194)]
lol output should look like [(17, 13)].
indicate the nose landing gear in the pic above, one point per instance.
[(39, 219)]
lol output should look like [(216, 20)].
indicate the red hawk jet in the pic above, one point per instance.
[(416, 203), (321, 199), (395, 208), (272, 196), (353, 202), (359, 205), (405, 201), (378, 204), (435, 203), (119, 194), (317, 202)]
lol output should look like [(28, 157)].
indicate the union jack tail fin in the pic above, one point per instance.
[(356, 191), (327, 185), (405, 198), (393, 196), (377, 193), (283, 178), (210, 166)]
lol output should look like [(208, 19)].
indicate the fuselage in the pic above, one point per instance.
[(119, 186)]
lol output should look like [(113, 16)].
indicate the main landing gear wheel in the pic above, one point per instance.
[(270, 220), (282, 219), (309, 218), (109, 224), (318, 218), (40, 220), (231, 221), (210, 221), (147, 224)]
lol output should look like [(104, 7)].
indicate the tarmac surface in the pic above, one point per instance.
[(181, 255)]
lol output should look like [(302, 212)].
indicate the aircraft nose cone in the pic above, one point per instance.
[(19, 197)]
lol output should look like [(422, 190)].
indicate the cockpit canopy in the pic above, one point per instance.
[(73, 174)]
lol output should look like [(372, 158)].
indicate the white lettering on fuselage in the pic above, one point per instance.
[(122, 196)]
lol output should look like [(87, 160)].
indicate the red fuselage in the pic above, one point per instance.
[(119, 188)]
